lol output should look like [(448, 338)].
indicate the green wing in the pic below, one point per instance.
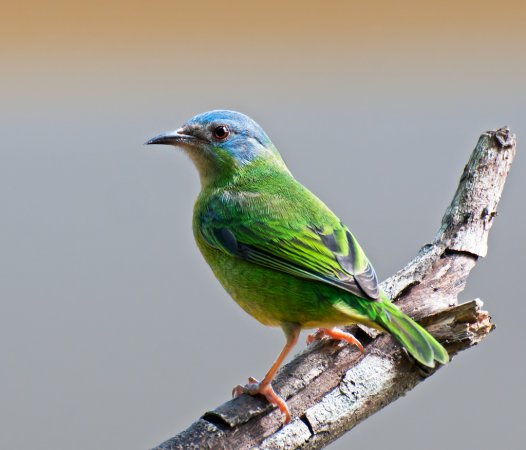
[(317, 247)]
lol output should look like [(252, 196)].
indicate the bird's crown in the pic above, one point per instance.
[(230, 134), (226, 128)]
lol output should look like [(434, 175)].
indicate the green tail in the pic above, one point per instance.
[(418, 342)]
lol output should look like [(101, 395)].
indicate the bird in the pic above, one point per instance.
[(278, 250)]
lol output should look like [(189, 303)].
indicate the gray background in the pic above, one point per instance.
[(113, 331)]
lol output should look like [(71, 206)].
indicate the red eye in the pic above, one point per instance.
[(221, 132)]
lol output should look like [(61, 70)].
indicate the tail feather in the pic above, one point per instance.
[(418, 342)]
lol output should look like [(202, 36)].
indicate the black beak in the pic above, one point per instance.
[(176, 137)]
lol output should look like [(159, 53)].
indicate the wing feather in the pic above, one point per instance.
[(330, 254)]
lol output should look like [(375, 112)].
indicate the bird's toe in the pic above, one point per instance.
[(253, 387)]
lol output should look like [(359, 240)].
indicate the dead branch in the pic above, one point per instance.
[(329, 387)]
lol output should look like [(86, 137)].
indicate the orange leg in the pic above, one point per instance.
[(292, 332), (334, 333)]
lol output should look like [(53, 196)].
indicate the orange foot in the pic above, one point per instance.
[(254, 387), (334, 333)]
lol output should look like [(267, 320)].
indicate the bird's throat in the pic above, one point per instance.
[(207, 168)]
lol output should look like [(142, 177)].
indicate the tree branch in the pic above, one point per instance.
[(330, 387)]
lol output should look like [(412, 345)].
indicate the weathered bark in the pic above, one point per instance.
[(331, 387)]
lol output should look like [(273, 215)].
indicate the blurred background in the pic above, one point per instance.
[(113, 331)]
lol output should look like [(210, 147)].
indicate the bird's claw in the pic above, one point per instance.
[(254, 387), (251, 388), (316, 336), (334, 333)]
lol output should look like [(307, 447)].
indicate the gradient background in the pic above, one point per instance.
[(113, 332)]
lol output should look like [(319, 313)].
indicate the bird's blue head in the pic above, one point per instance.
[(220, 142)]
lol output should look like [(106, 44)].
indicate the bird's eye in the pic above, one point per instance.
[(221, 132)]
